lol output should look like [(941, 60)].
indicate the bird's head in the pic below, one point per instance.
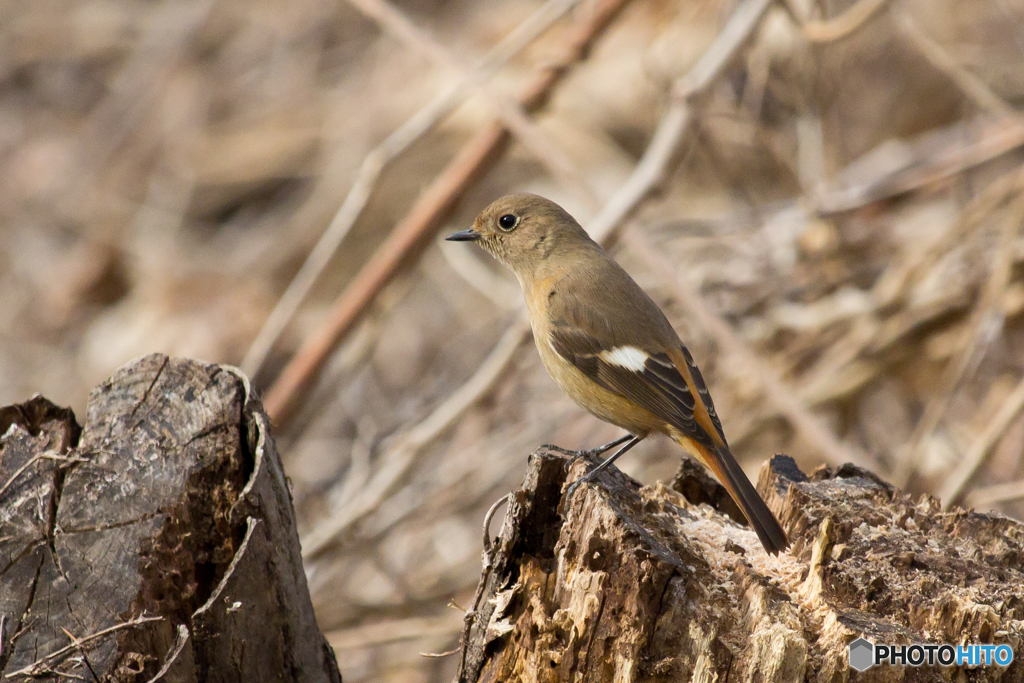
[(523, 231)]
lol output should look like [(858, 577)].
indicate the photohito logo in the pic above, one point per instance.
[(864, 654)]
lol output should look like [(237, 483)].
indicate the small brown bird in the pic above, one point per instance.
[(609, 346)]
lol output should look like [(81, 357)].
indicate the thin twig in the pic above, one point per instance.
[(37, 668), (502, 292), (500, 445), (414, 231), (81, 650), (487, 520), (359, 470), (179, 645), (251, 523), (865, 338), (668, 136), (649, 171), (828, 30), (473, 613), (374, 164), (17, 473)]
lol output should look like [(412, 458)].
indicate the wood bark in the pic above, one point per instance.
[(660, 583), (157, 542)]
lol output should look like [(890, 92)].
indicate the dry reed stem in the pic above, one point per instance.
[(511, 113), (402, 453), (651, 169), (423, 121), (978, 328), (934, 156), (413, 232)]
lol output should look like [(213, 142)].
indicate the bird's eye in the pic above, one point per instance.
[(508, 222)]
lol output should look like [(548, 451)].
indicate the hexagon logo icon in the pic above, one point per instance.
[(862, 654)]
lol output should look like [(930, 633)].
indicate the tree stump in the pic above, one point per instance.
[(157, 542), (632, 583)]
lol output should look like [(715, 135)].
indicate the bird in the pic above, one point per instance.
[(608, 346)]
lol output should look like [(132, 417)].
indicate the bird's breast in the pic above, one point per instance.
[(587, 393)]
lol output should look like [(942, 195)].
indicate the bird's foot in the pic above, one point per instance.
[(625, 444)]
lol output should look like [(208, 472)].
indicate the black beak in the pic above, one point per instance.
[(470, 235)]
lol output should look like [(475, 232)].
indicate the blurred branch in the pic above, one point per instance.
[(470, 485), (373, 165), (401, 455), (511, 113), (136, 90), (896, 168), (394, 630), (985, 322), (973, 87), (784, 398), (997, 493), (668, 136), (979, 452), (828, 30), (664, 144), (413, 232)]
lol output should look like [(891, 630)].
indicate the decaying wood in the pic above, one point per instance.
[(157, 542), (632, 583)]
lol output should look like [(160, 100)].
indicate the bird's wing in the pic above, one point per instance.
[(602, 322), (641, 359), (702, 391), (651, 379)]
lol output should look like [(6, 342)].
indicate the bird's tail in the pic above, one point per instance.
[(729, 472)]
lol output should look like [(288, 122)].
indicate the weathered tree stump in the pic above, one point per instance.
[(157, 542), (634, 583)]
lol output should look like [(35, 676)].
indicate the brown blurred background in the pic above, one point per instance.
[(837, 237)]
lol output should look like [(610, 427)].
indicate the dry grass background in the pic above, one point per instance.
[(837, 236)]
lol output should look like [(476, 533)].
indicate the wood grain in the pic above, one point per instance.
[(167, 511)]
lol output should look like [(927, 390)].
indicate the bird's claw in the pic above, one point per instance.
[(573, 486), (585, 479)]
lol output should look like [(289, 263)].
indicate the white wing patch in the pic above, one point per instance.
[(628, 357)]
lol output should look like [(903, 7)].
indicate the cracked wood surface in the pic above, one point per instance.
[(632, 583), (157, 542)]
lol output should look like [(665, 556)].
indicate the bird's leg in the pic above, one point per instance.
[(593, 452), (589, 476)]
